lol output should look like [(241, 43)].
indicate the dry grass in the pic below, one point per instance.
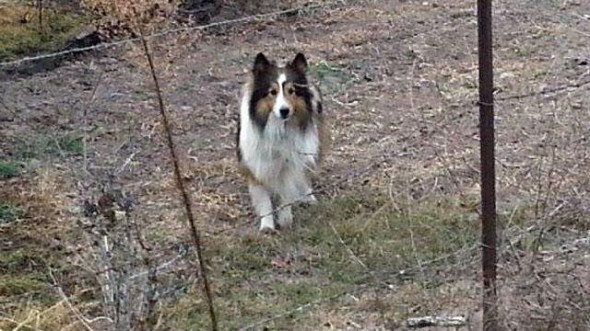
[(395, 233), (120, 19), (21, 35), (343, 244)]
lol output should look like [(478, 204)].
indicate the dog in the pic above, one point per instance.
[(281, 138)]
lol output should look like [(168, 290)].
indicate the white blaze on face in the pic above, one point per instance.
[(281, 108)]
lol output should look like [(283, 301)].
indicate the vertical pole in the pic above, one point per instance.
[(40, 13), (488, 176)]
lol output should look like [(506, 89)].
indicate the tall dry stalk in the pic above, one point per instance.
[(180, 184)]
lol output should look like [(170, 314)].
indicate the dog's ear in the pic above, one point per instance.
[(261, 64), (299, 63)]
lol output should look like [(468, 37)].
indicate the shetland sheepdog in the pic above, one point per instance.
[(280, 139)]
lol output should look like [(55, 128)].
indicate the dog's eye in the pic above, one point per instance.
[(274, 92), (291, 90)]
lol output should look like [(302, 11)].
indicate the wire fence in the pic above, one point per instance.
[(366, 281), (370, 278), (246, 19)]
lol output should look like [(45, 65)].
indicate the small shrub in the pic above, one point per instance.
[(119, 19), (72, 145), (333, 78), (10, 285), (9, 212), (8, 169), (63, 145)]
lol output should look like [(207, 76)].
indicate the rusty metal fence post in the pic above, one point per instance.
[(488, 175)]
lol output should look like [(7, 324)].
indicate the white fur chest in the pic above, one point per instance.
[(277, 150)]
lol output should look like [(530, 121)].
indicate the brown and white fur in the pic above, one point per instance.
[(280, 138)]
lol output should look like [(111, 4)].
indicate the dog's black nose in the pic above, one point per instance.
[(284, 112)]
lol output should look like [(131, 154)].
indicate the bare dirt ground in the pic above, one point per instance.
[(395, 234)]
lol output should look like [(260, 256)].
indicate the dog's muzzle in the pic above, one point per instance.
[(284, 112)]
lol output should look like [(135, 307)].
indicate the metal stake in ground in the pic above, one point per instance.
[(488, 175)]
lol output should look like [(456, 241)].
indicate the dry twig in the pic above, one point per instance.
[(184, 194)]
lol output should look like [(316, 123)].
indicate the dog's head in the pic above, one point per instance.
[(282, 92)]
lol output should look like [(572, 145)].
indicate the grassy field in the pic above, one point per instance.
[(22, 34), (93, 232)]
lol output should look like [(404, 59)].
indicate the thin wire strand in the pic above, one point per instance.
[(545, 91), (244, 19)]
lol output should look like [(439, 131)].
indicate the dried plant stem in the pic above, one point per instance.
[(185, 197), (83, 320)]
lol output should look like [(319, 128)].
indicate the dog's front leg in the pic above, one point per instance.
[(285, 215), (306, 192), (309, 197), (263, 206)]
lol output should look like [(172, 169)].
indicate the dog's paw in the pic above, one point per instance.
[(266, 230), (267, 223), (285, 221), (285, 218), (309, 199)]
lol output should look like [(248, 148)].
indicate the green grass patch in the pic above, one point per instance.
[(70, 144), (23, 272), (470, 85), (332, 78), (21, 34), (23, 262), (17, 285), (46, 145), (9, 169), (386, 235), (256, 276), (9, 212)]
